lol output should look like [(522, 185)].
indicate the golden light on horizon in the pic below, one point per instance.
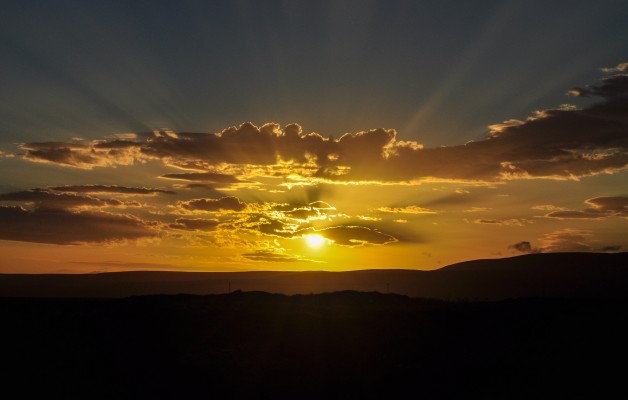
[(314, 241)]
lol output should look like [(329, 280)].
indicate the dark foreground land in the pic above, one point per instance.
[(534, 275), (345, 344)]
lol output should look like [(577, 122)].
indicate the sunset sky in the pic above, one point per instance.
[(250, 135)]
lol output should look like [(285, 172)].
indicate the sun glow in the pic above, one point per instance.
[(314, 241)]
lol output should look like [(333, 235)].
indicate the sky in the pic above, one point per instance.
[(302, 135)]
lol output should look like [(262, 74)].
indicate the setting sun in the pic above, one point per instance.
[(314, 241)]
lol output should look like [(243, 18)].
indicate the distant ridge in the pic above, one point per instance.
[(555, 261), (532, 275)]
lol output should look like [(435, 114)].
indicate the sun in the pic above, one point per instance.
[(314, 241)]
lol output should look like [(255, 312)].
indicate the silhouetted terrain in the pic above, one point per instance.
[(345, 344), (534, 275), (561, 333)]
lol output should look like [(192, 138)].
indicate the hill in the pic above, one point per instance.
[(534, 275), (335, 345)]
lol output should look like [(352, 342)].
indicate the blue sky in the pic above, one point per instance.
[(437, 71)]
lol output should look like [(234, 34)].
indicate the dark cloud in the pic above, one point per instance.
[(611, 87), (269, 226), (229, 203), (195, 224), (46, 199), (610, 249), (70, 154), (269, 256), (524, 247), (203, 177), (109, 189), (302, 213), (67, 227)]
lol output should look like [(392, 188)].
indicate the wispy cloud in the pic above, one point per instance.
[(95, 189), (599, 207), (504, 221), (406, 210)]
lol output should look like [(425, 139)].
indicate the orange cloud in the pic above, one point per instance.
[(406, 210), (599, 207)]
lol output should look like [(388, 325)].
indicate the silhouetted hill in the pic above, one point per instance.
[(335, 345), (534, 275)]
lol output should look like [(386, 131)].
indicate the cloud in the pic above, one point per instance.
[(304, 212), (623, 67), (524, 247), (44, 199), (477, 209), (261, 223), (573, 214), (269, 256), (610, 249), (567, 240), (548, 207), (562, 143), (6, 155), (406, 210), (80, 155), (109, 189), (611, 87), (609, 203), (58, 226), (505, 222), (203, 177), (599, 207), (195, 224), (353, 235), (229, 203)]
